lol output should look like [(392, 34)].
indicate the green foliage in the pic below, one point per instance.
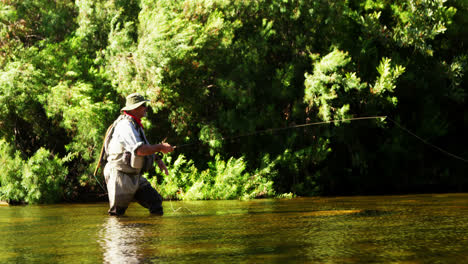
[(210, 135), (387, 79), (32, 21), (43, 177), (418, 22), (456, 72), (327, 82), (37, 180), (24, 120), (332, 88), (403, 23), (298, 169), (11, 174), (221, 180)]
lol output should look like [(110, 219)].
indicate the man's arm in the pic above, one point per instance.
[(147, 149)]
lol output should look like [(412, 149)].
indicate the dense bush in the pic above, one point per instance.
[(43, 178), (221, 180), (40, 179), (11, 170)]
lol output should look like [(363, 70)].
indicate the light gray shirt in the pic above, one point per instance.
[(127, 137)]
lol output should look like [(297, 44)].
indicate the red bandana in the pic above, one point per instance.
[(138, 120)]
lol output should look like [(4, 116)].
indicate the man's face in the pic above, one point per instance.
[(140, 112)]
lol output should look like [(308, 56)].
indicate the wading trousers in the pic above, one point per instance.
[(123, 188)]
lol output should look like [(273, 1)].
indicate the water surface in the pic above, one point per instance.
[(374, 229)]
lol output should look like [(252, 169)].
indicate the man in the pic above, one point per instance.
[(129, 154)]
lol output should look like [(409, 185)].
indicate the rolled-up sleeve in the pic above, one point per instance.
[(129, 136)]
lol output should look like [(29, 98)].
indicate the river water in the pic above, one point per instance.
[(371, 229)]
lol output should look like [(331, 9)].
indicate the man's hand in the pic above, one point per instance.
[(163, 167), (166, 148)]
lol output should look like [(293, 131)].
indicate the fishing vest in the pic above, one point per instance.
[(117, 156)]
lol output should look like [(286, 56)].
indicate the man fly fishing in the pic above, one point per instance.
[(126, 154)]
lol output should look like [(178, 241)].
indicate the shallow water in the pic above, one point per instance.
[(375, 229)]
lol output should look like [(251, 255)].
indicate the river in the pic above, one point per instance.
[(369, 229)]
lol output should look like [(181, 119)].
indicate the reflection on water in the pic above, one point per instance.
[(377, 229), (120, 241)]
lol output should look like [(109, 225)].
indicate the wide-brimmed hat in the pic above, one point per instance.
[(133, 101)]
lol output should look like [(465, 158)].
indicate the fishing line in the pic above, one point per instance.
[(428, 143), (271, 130), (175, 210), (102, 187)]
